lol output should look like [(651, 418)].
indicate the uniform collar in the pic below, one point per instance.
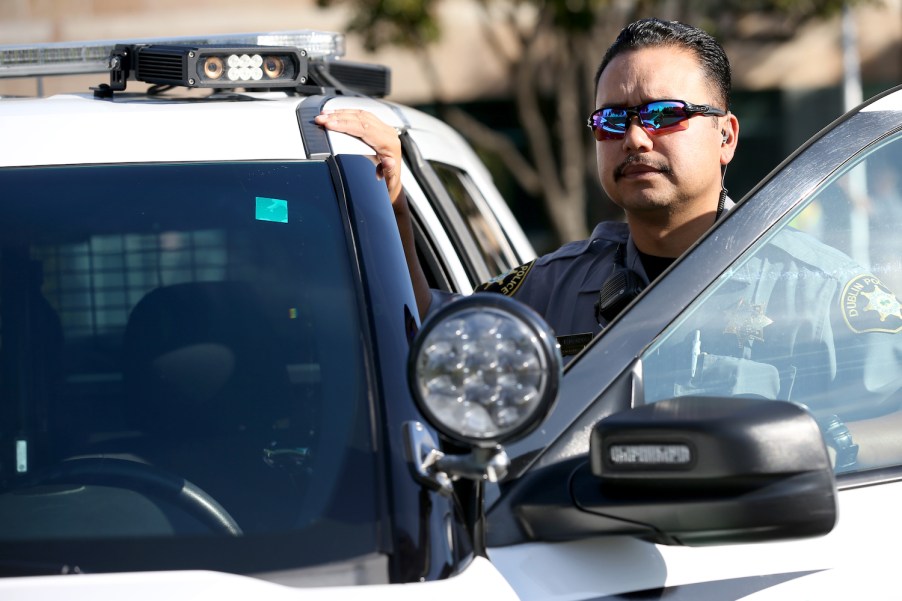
[(618, 232), (611, 231)]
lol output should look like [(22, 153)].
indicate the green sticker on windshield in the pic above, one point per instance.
[(272, 209)]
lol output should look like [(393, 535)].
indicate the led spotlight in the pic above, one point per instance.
[(484, 369)]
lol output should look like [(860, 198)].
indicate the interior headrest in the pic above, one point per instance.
[(201, 356)]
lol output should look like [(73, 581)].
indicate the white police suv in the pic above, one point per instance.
[(204, 327), (213, 381)]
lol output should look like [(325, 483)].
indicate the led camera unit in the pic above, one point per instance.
[(216, 67)]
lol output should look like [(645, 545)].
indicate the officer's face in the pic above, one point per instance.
[(669, 177)]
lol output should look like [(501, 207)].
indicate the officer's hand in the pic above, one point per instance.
[(377, 135)]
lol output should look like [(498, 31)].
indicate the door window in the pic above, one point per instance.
[(495, 249), (809, 314)]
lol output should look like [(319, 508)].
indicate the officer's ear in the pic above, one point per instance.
[(729, 133)]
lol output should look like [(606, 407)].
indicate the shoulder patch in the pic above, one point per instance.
[(869, 306), (507, 283)]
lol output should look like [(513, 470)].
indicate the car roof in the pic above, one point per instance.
[(149, 129)]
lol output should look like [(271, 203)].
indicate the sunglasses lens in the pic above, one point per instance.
[(609, 124), (663, 115), (613, 120)]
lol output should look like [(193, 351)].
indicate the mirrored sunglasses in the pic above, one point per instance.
[(657, 117)]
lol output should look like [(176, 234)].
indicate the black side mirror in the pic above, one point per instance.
[(685, 471), (700, 470)]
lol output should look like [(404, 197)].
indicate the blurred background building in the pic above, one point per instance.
[(515, 76)]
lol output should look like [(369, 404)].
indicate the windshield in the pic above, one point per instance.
[(181, 379)]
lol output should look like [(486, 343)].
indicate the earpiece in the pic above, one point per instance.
[(725, 136), (621, 287)]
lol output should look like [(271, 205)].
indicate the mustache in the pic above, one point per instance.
[(637, 159)]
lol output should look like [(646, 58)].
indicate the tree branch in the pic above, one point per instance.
[(489, 139)]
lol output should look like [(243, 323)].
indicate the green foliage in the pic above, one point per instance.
[(790, 13), (571, 15), (404, 23)]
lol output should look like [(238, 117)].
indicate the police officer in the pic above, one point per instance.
[(664, 136)]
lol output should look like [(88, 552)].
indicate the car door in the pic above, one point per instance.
[(793, 296), (465, 232)]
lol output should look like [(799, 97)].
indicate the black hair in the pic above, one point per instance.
[(651, 33)]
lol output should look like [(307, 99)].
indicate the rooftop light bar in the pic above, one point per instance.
[(73, 58)]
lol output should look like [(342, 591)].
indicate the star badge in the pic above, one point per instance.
[(747, 322), (884, 303), (869, 306)]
